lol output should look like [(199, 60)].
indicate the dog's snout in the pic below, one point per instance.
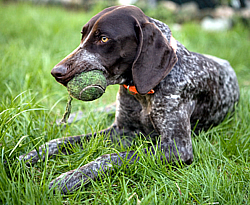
[(59, 71)]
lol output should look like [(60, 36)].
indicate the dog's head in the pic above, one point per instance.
[(122, 43)]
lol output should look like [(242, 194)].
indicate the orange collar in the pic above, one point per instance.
[(132, 89)]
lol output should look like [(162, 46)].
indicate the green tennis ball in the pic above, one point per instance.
[(87, 86)]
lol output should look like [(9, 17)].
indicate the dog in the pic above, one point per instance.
[(165, 90)]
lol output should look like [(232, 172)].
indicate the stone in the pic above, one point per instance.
[(217, 24)]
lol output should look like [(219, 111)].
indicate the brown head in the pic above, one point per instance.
[(122, 43)]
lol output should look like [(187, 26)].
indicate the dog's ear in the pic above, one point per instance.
[(154, 59)]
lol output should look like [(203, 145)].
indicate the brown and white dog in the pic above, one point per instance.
[(173, 89)]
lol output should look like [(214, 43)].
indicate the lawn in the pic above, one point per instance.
[(35, 38)]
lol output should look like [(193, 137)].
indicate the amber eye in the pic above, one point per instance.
[(104, 39)]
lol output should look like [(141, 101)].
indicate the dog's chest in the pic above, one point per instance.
[(133, 112), (145, 113)]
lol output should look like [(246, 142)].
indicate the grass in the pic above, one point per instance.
[(33, 39)]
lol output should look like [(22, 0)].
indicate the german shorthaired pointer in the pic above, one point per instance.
[(174, 90)]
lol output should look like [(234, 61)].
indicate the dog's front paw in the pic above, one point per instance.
[(69, 181), (72, 180), (50, 148)]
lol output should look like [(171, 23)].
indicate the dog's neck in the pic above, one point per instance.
[(132, 89), (172, 42)]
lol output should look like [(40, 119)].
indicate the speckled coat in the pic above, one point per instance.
[(190, 89)]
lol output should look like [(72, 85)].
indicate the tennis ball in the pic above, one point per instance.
[(87, 86)]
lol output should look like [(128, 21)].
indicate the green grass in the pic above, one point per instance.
[(32, 40)]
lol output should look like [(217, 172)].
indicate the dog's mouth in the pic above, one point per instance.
[(63, 76), (64, 79)]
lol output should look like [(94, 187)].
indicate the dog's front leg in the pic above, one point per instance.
[(171, 119), (54, 146), (72, 180)]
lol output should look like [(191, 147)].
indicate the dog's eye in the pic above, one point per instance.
[(104, 39)]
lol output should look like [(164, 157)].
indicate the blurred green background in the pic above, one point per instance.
[(34, 37)]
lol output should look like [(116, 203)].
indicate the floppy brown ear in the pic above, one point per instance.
[(155, 58)]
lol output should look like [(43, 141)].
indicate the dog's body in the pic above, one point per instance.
[(133, 49)]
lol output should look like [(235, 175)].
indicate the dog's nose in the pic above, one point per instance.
[(59, 71)]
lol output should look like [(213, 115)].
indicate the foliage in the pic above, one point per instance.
[(33, 39)]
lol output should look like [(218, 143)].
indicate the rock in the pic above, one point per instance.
[(176, 27), (244, 13), (217, 24), (188, 11), (235, 4), (189, 8), (224, 12), (126, 2), (171, 6)]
